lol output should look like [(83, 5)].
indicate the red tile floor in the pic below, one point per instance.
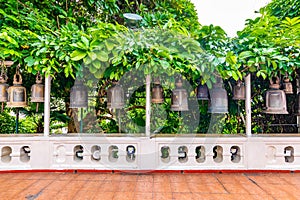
[(60, 185)]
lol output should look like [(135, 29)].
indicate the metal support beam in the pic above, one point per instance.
[(148, 104), (47, 106), (248, 104)]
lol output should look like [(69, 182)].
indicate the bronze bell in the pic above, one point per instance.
[(297, 105), (79, 95), (115, 96), (3, 88), (287, 86), (275, 99), (218, 98), (37, 90), (17, 93), (239, 91), (157, 92), (202, 92), (179, 100)]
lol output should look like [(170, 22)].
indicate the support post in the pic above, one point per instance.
[(47, 105), (81, 122), (298, 90), (148, 104), (248, 104), (17, 120)]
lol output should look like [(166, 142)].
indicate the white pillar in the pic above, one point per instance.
[(47, 105), (298, 90), (248, 104), (148, 104)]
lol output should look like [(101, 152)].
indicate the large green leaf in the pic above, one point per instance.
[(78, 55), (30, 61)]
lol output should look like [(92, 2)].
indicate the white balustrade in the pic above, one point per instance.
[(188, 152)]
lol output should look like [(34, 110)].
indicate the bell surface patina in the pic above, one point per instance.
[(3, 89), (115, 96), (275, 99), (297, 105), (179, 100), (202, 92), (17, 93), (37, 90), (3, 85), (287, 86), (218, 98), (79, 95), (239, 91), (157, 93)]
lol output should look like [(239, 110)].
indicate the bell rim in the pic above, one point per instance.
[(288, 92), (8, 104), (157, 101), (172, 109), (37, 101), (217, 111), (202, 98), (77, 106), (276, 112), (238, 98)]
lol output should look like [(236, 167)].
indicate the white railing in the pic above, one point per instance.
[(184, 152)]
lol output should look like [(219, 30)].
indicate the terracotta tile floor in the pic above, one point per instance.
[(160, 186)]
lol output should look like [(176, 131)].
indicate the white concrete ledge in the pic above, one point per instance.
[(158, 152)]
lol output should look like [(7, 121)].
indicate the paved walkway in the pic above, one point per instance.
[(58, 185)]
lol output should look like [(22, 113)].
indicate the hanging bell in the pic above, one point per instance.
[(17, 93), (202, 92), (275, 99), (287, 86), (239, 91), (179, 100), (3, 86), (78, 95), (37, 90), (115, 96), (218, 98), (157, 92), (297, 105), (3, 90)]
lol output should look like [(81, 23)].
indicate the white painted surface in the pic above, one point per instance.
[(59, 153), (47, 105), (248, 104)]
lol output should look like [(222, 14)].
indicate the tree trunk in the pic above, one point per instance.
[(73, 125)]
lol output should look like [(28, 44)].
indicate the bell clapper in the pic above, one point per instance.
[(2, 107)]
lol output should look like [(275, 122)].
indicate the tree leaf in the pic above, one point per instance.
[(85, 41), (102, 56), (245, 54), (30, 61), (78, 55)]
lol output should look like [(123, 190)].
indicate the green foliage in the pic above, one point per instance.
[(8, 123), (284, 8), (87, 39), (269, 46)]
